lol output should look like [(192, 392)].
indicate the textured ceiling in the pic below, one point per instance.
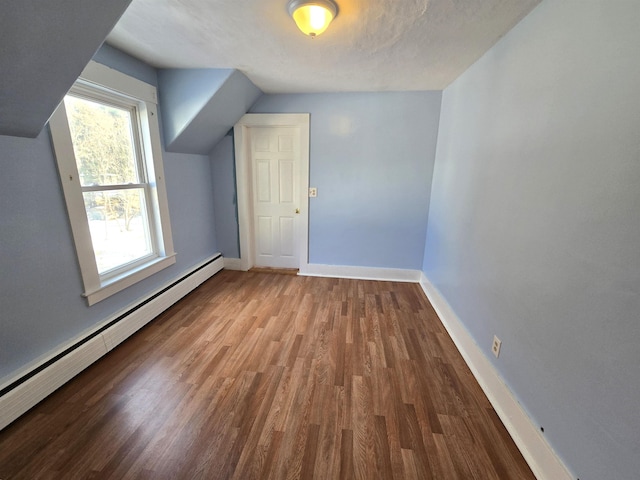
[(372, 45)]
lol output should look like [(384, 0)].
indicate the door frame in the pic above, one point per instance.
[(244, 182)]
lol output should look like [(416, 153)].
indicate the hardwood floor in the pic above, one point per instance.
[(258, 375)]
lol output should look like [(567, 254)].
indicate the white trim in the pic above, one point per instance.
[(69, 178), (38, 387), (28, 394), (243, 179), (98, 80), (98, 75), (234, 264), (542, 459), (360, 273), (114, 285)]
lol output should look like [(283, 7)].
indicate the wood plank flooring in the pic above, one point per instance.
[(259, 375)]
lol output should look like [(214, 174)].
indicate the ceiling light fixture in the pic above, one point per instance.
[(313, 16)]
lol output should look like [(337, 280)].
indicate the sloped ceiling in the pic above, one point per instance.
[(373, 45), (199, 106), (44, 46)]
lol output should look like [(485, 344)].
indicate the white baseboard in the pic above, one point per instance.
[(22, 398), (27, 394), (235, 264), (360, 273), (542, 459)]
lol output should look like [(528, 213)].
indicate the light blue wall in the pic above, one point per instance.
[(225, 199), (44, 46), (185, 92), (40, 284), (111, 56), (371, 159), (534, 224), (201, 105)]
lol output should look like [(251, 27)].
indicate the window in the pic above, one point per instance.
[(107, 143)]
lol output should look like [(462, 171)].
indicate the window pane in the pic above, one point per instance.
[(119, 227), (102, 142)]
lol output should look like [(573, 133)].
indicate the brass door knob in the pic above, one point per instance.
[(297, 210)]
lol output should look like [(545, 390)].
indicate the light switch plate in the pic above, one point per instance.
[(313, 192)]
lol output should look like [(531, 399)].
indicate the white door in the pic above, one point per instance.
[(275, 167)]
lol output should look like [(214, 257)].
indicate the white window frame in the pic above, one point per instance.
[(104, 80)]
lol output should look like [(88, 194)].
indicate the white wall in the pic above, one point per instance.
[(534, 223)]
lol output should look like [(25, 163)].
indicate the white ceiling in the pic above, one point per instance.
[(372, 45)]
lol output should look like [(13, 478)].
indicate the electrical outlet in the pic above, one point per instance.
[(313, 192), (495, 347)]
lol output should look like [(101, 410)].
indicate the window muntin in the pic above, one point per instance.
[(119, 215), (113, 179), (103, 139), (119, 226)]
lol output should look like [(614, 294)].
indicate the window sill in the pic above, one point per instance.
[(119, 283)]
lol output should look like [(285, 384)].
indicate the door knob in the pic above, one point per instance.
[(297, 210)]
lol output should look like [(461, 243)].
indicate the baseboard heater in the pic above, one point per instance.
[(31, 387)]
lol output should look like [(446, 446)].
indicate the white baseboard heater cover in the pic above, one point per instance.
[(28, 389)]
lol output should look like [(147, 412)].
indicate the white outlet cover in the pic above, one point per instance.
[(313, 192), (495, 347)]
